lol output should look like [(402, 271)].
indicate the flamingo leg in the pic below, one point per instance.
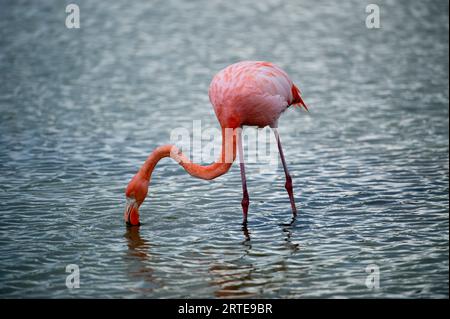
[(288, 184), (245, 199)]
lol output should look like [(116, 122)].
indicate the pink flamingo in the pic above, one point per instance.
[(250, 93)]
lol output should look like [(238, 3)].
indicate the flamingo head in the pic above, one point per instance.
[(135, 193)]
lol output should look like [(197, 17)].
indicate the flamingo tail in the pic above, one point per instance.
[(298, 101)]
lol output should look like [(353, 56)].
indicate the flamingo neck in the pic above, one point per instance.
[(207, 172)]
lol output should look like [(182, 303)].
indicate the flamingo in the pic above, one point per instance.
[(250, 93)]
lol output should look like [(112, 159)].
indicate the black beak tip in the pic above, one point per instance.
[(131, 225)]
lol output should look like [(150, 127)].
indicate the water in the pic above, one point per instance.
[(81, 109)]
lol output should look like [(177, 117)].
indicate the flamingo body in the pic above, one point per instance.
[(253, 93)]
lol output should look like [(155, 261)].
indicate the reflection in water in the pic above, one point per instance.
[(246, 235), (287, 229), (137, 245), (232, 280), (138, 256), (236, 279)]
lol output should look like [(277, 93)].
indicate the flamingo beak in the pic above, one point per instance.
[(131, 215)]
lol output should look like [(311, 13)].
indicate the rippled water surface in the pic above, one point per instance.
[(81, 109)]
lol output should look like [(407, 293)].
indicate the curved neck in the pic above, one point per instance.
[(208, 172)]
